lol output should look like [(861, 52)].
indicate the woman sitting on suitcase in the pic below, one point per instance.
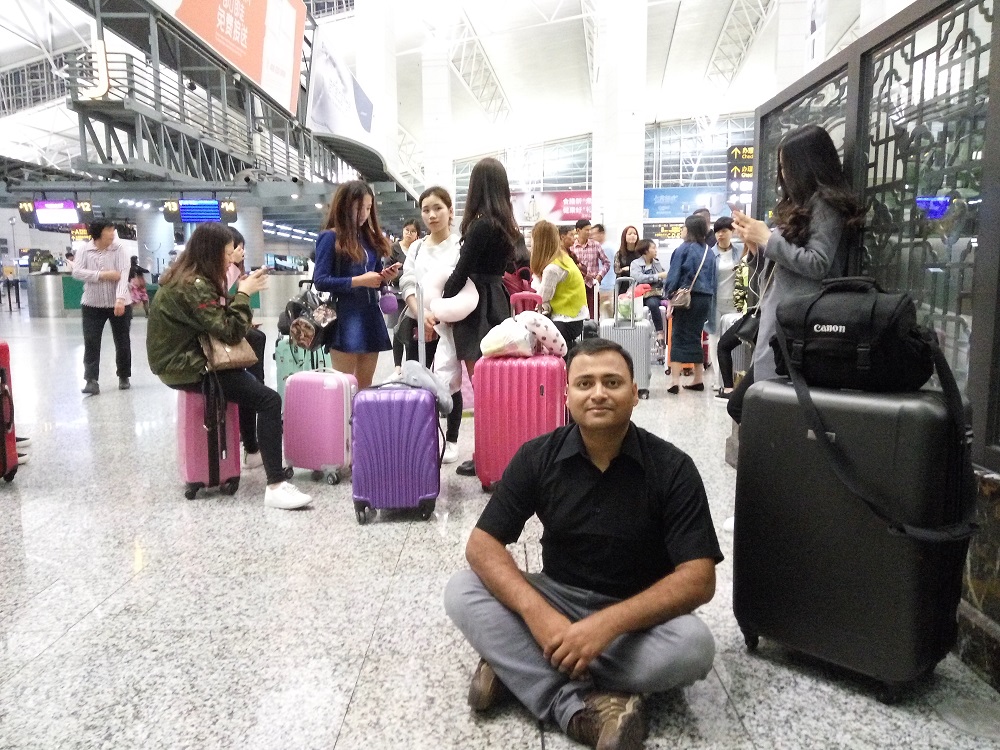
[(192, 301), (561, 284), (646, 269), (351, 262), (489, 233), (692, 266), (815, 225)]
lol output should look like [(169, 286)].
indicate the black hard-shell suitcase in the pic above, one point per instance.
[(814, 568)]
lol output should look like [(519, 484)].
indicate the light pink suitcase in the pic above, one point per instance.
[(517, 399), (204, 460), (318, 422)]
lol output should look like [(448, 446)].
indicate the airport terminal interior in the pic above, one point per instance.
[(134, 617)]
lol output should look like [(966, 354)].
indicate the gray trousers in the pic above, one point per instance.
[(673, 654)]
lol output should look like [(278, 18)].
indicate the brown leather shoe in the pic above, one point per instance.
[(609, 721), (486, 690)]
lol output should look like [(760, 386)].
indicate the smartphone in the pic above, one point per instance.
[(735, 208)]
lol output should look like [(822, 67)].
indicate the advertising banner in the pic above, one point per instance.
[(260, 38), (557, 207), (338, 106), (681, 202)]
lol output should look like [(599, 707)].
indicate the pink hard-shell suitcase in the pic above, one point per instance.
[(517, 399), (318, 422), (204, 459), (521, 301)]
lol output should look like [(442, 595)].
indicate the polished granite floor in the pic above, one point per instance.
[(133, 618)]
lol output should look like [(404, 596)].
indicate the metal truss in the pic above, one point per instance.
[(33, 83), (325, 8), (470, 62), (590, 38), (849, 37), (743, 22), (410, 158)]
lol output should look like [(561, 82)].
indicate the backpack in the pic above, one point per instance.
[(851, 334), (518, 281)]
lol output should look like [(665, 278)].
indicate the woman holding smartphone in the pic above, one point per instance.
[(351, 255), (815, 225)]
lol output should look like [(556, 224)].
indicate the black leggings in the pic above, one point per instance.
[(260, 417), (453, 421), (571, 330), (735, 405), (724, 354), (257, 340)]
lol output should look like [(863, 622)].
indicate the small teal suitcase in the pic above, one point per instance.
[(289, 358)]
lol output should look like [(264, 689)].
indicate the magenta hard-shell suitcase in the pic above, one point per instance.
[(204, 459), (519, 399), (318, 422)]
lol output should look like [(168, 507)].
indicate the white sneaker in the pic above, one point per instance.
[(450, 453), (286, 496), (252, 460), (729, 524)]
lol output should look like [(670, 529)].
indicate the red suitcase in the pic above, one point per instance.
[(517, 399), (8, 451)]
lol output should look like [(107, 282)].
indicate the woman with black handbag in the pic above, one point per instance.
[(190, 305), (815, 224), (690, 286), (745, 299)]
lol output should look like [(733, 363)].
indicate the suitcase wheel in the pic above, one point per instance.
[(316, 475), (361, 511), (427, 509), (644, 393), (9, 476), (333, 477), (192, 490), (487, 487), (230, 486), (751, 639), (666, 371), (289, 472)]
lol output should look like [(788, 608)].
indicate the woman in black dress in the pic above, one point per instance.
[(489, 233)]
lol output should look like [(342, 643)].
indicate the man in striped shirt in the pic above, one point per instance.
[(103, 267), (591, 255)]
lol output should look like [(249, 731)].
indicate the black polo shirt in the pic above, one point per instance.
[(616, 532)]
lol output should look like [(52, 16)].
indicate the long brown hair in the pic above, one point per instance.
[(489, 199), (343, 219), (204, 255), (545, 246), (810, 165)]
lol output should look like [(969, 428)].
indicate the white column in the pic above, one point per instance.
[(790, 53), (155, 239), (619, 128), (249, 222), (376, 72), (437, 140)]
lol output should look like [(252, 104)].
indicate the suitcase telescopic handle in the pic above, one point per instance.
[(630, 289), (422, 326)]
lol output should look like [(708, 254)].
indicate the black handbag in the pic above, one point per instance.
[(851, 334), (746, 327)]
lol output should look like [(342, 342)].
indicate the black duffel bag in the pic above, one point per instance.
[(851, 334)]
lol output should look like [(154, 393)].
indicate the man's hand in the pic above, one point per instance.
[(548, 627), (119, 304), (109, 276), (580, 644)]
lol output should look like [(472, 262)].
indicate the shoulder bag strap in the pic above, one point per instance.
[(696, 273), (962, 529)]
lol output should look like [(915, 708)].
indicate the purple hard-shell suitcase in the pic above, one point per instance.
[(199, 457), (397, 464), (318, 422)]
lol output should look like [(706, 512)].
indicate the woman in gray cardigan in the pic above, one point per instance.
[(815, 225)]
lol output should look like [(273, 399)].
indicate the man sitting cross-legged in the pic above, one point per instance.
[(628, 550)]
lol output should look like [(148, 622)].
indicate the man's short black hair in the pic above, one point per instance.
[(590, 347), (96, 228), (599, 228), (581, 223), (723, 222), (564, 230)]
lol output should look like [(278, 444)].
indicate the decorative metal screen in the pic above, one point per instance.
[(928, 94), (824, 105)]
